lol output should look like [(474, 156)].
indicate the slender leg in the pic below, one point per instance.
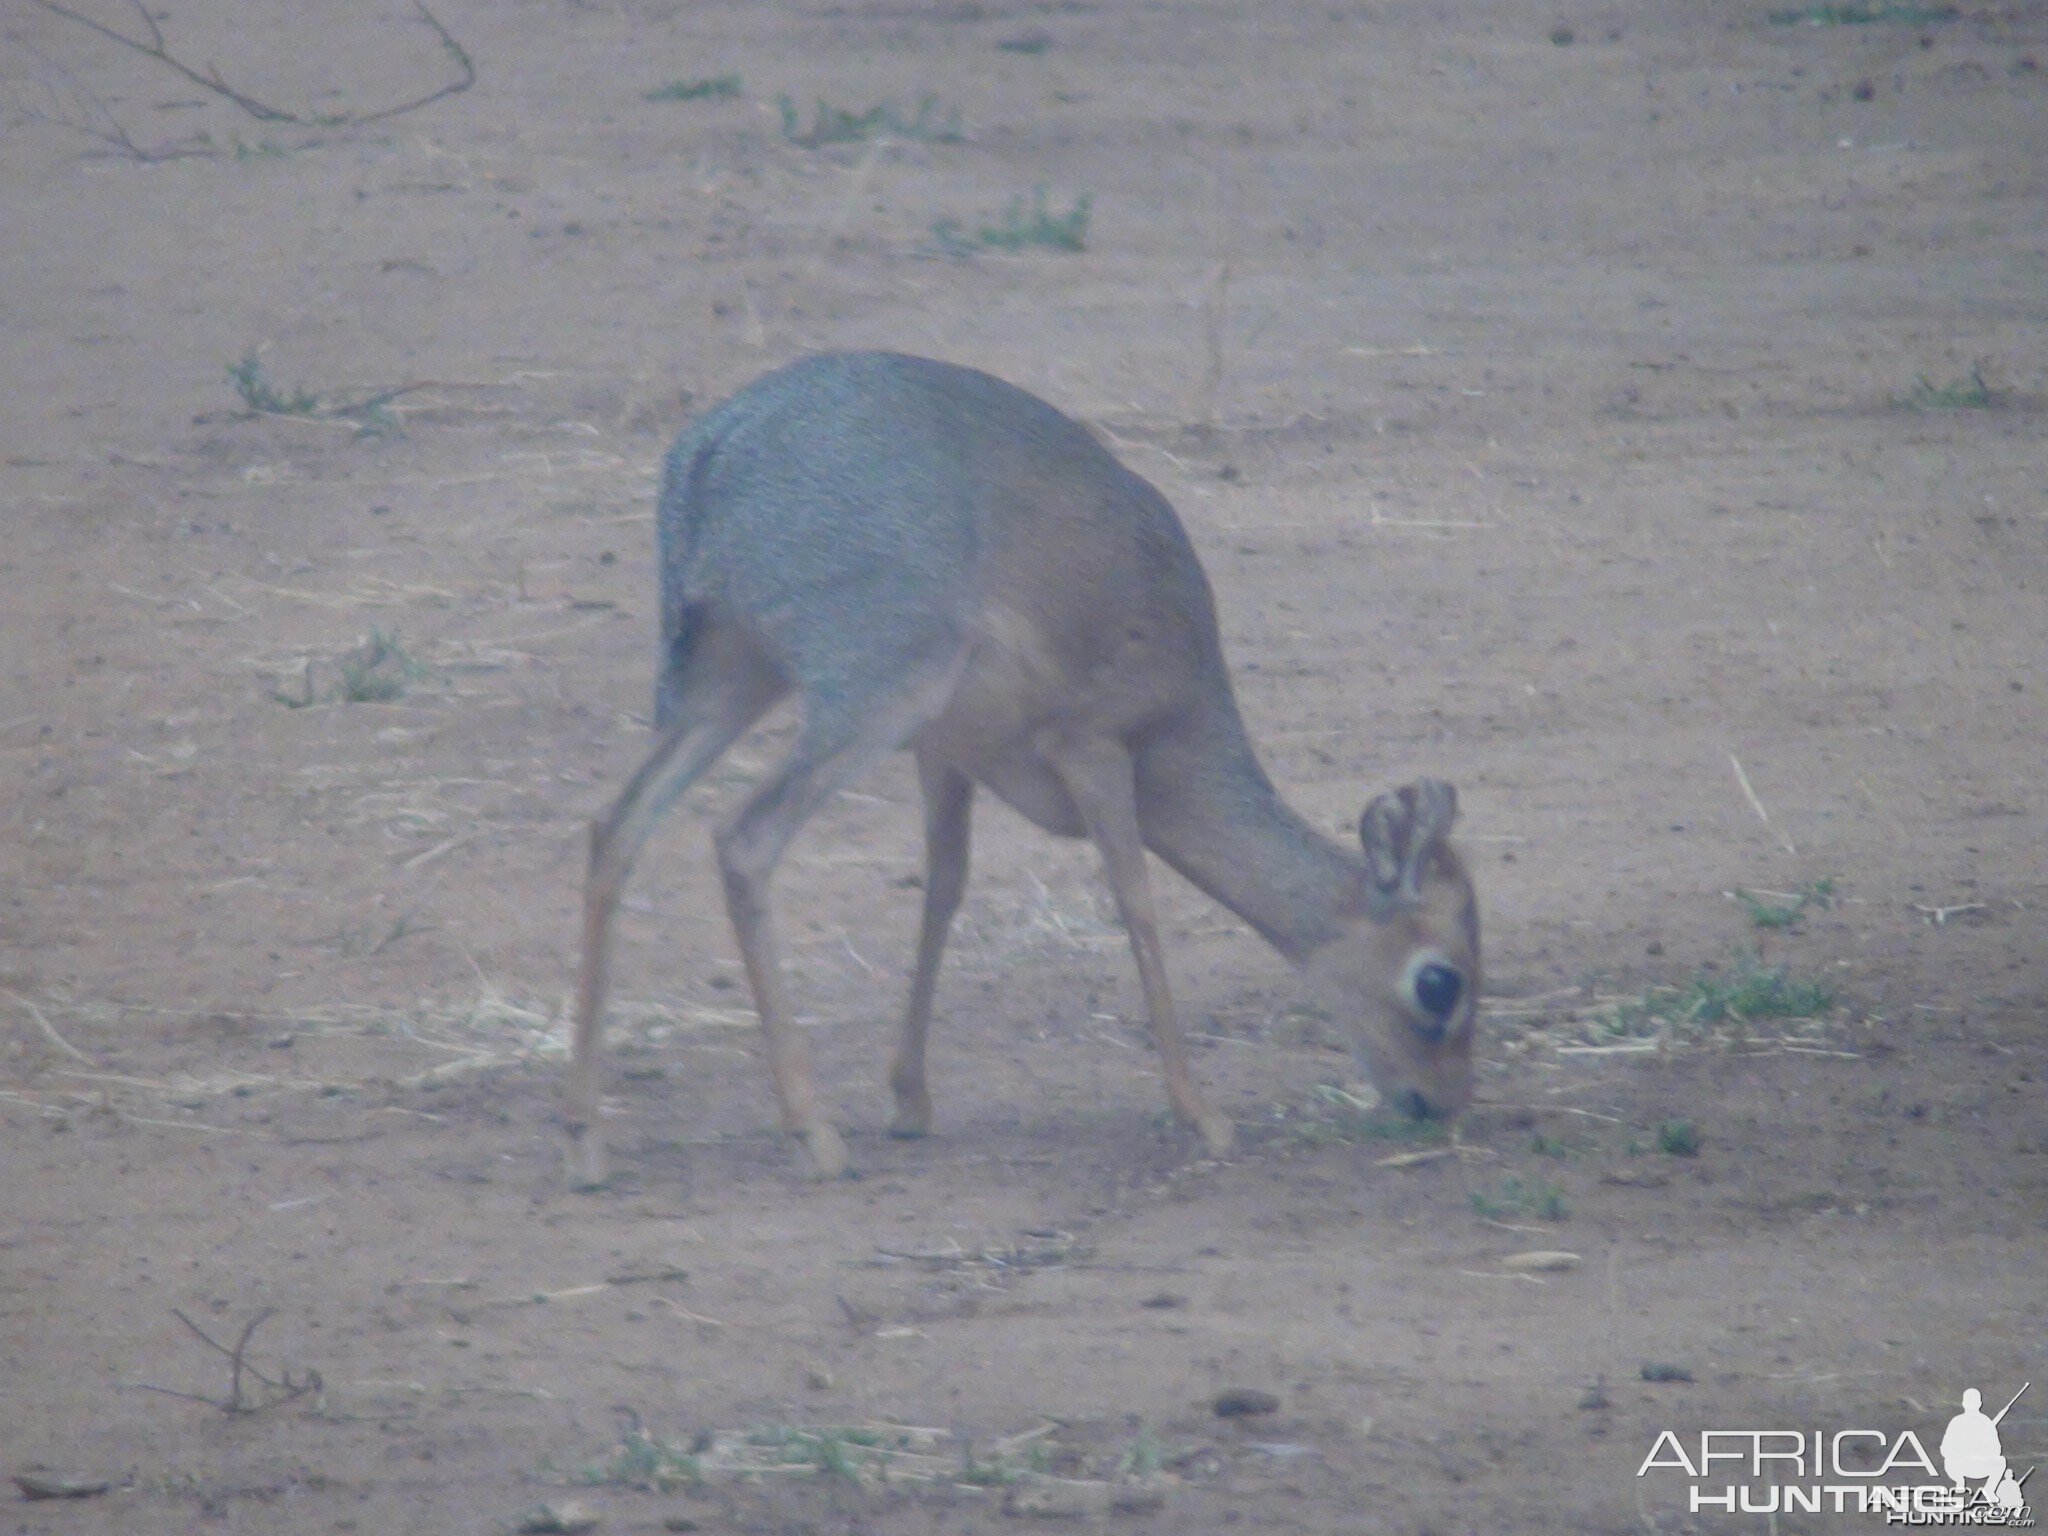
[(716, 712), (1100, 777), (948, 802), (837, 746)]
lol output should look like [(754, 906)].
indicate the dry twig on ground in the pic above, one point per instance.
[(281, 1389), (153, 46)]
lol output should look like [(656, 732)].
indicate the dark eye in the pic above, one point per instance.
[(1436, 989)]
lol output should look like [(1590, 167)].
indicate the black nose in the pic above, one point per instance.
[(1410, 1102)]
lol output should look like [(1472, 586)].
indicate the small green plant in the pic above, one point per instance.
[(262, 396), (1783, 909), (641, 1461), (1337, 1118), (1519, 1197), (1971, 394), (377, 671), (370, 412), (834, 1459), (837, 125), (1752, 991), (1143, 1456), (262, 149), (711, 88), (1559, 1147), (1748, 990), (1022, 227), (1768, 914), (1678, 1138), (1853, 15), (835, 1452)]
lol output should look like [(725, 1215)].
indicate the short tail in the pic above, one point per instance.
[(679, 630), (677, 515)]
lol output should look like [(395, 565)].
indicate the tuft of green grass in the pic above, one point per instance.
[(837, 125), (1338, 1118), (1846, 13), (370, 412), (1143, 1456), (377, 671), (1767, 914), (641, 1461), (1519, 1197), (1559, 1147), (1022, 227), (260, 394), (1748, 990), (1678, 1138), (1971, 394), (711, 88), (1782, 909), (834, 1452), (1753, 991)]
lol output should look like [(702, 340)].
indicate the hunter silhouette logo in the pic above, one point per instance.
[(1855, 1471), (1971, 1450)]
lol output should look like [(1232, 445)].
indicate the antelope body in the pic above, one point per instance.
[(932, 559)]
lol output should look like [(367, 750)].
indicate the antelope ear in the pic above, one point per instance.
[(1401, 830)]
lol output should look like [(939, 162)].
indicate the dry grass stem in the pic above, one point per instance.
[(1749, 793), (49, 1031)]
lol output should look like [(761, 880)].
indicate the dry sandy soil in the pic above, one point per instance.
[(1575, 400)]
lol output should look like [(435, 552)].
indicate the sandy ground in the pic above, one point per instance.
[(1632, 413)]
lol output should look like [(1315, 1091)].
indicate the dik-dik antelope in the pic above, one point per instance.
[(932, 559)]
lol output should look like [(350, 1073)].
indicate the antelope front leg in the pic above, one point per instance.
[(1100, 778)]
